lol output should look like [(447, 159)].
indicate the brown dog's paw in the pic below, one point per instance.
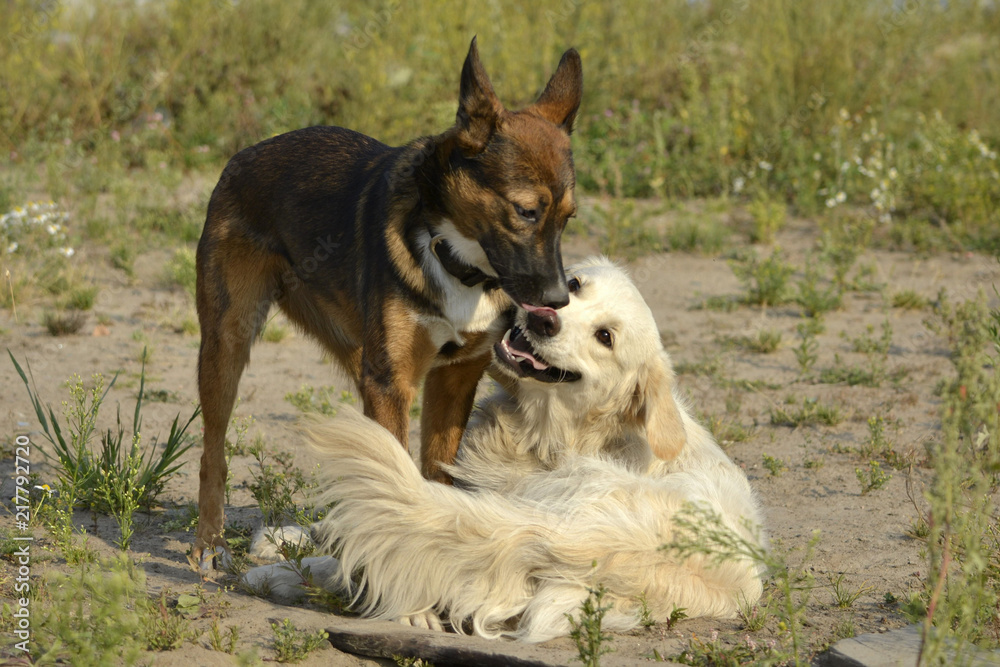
[(207, 559)]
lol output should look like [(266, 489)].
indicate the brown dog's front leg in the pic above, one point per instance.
[(388, 403), (449, 393)]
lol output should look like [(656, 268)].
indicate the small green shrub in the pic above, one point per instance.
[(765, 281), (806, 352), (122, 257), (908, 299), (705, 236), (181, 270), (82, 298), (816, 300), (591, 641), (843, 596), (64, 323), (85, 477), (774, 465), (762, 341), (768, 216), (293, 645), (275, 486), (625, 229), (701, 531), (319, 400), (273, 333), (222, 644), (811, 412), (872, 478), (92, 617), (755, 616)]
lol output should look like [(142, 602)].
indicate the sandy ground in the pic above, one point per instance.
[(863, 537)]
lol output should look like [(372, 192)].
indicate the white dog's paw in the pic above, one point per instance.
[(429, 620), (267, 541)]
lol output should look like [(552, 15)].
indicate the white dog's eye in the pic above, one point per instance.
[(573, 285), (605, 338)]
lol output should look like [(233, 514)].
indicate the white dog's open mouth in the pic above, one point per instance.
[(516, 353)]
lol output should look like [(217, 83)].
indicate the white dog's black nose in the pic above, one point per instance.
[(543, 322)]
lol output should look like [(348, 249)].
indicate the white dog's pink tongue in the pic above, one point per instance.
[(514, 345)]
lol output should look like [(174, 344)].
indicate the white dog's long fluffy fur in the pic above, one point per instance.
[(559, 486)]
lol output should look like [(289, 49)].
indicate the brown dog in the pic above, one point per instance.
[(403, 262)]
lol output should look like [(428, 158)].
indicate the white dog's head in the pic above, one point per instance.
[(603, 356)]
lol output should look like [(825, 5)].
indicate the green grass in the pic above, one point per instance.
[(765, 281), (65, 323), (810, 413), (908, 299), (762, 341), (704, 235), (591, 641), (181, 270), (837, 123), (293, 645)]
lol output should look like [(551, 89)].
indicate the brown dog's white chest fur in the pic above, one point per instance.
[(466, 311)]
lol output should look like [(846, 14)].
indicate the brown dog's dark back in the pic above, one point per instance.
[(403, 262)]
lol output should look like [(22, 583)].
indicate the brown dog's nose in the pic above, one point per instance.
[(543, 321)]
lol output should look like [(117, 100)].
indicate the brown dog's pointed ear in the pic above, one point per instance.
[(655, 409), (560, 100), (478, 106)]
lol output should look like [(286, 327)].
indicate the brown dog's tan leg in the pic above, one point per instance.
[(394, 358), (233, 300), (449, 392), (388, 403)]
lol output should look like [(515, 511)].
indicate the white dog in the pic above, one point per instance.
[(570, 477)]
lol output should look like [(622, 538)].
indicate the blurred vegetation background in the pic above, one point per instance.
[(891, 107)]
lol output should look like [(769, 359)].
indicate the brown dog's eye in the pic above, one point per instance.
[(529, 214), (573, 285), (605, 338)]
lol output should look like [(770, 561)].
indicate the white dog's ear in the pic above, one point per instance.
[(654, 409)]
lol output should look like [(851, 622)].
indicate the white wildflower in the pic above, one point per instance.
[(841, 197), (765, 165), (738, 184), (67, 251)]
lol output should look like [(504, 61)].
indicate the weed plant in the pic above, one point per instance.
[(591, 641), (811, 412), (275, 485), (117, 477), (962, 590), (765, 281), (293, 645), (701, 532)]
